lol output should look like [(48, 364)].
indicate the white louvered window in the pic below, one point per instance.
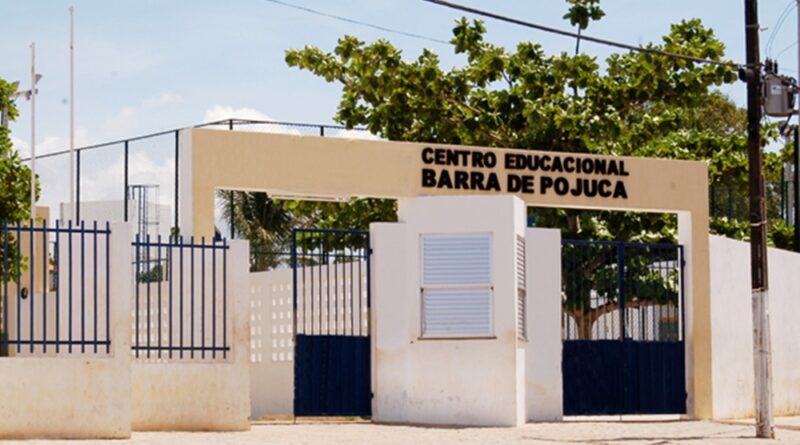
[(456, 286)]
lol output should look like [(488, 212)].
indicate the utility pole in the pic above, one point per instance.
[(33, 131), (796, 182), (758, 230), (72, 110)]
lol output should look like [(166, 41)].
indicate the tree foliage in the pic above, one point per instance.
[(267, 224), (634, 104), (15, 182), (630, 104), (15, 178), (582, 11)]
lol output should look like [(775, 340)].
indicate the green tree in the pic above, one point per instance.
[(15, 178), (639, 104), (580, 13), (633, 104), (15, 182), (264, 222), (267, 224)]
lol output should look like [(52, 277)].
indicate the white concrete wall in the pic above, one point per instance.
[(72, 395), (271, 357), (732, 329), (445, 381), (543, 387), (202, 395), (342, 287)]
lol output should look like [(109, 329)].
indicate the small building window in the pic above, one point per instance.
[(456, 286)]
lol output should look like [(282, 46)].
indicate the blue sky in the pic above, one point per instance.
[(146, 65)]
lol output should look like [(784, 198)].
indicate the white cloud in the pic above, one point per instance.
[(221, 113), (123, 121), (50, 143), (102, 171), (356, 134)]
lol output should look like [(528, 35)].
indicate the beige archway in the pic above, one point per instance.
[(316, 167)]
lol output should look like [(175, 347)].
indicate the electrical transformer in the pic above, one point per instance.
[(778, 95)]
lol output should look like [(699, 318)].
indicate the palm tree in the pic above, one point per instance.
[(266, 223)]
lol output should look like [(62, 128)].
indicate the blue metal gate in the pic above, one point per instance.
[(331, 273), (622, 327)]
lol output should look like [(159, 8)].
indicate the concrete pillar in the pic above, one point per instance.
[(446, 381), (544, 386)]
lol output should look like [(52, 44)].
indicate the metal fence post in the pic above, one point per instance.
[(177, 179), (621, 286), (77, 210), (125, 195)]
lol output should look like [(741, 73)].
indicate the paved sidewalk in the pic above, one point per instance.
[(575, 432)]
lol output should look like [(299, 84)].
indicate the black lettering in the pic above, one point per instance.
[(427, 155), (532, 162), (527, 184), (619, 190), (461, 180), (590, 187), (612, 168), (463, 158), (440, 156), (511, 161), (444, 180), (522, 184), (514, 183), (569, 164), (476, 179), (428, 178), (578, 189), (489, 159), (477, 159), (622, 171), (587, 166), (600, 166), (545, 183), (556, 167), (604, 187), (493, 183), (561, 186), (544, 163), (452, 157)]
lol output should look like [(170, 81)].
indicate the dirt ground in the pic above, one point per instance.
[(632, 432)]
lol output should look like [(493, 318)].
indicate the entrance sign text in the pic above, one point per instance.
[(560, 174)]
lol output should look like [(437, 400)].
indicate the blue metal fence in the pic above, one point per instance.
[(622, 326), (331, 282), (49, 307), (180, 298), (620, 290)]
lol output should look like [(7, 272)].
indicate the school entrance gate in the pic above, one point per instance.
[(331, 287), (622, 328)]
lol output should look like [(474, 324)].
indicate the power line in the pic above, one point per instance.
[(358, 22), (778, 24), (581, 36), (786, 49)]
